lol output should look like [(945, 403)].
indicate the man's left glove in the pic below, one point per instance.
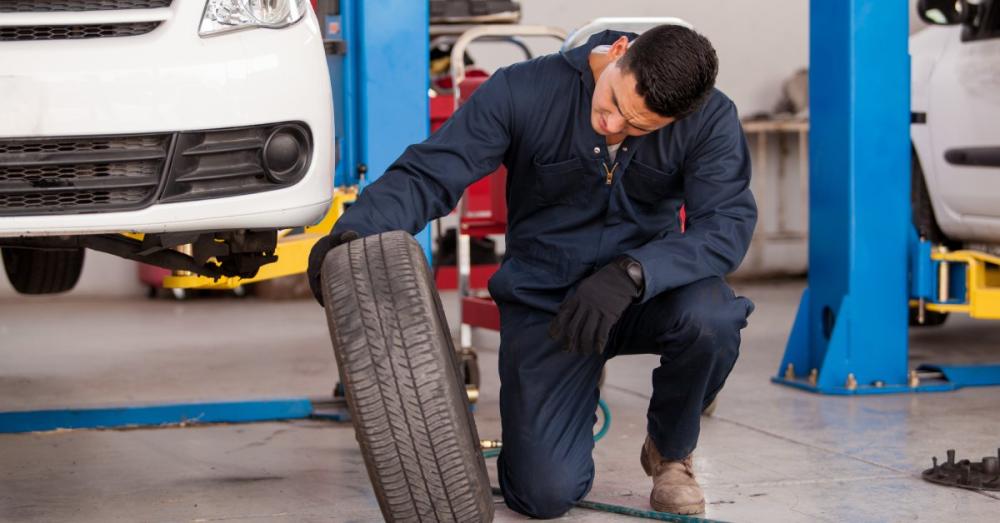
[(318, 254), (585, 319)]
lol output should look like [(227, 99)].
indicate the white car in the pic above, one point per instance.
[(204, 122), (956, 121)]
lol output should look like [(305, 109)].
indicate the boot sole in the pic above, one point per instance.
[(685, 510)]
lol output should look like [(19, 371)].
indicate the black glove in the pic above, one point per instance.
[(585, 319), (318, 254)]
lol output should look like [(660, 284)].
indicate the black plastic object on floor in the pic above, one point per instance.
[(976, 475), (404, 388)]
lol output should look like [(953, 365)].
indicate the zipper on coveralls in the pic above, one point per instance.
[(609, 173)]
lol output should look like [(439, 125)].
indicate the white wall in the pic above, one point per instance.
[(759, 43)]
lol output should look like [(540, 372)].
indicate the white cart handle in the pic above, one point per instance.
[(634, 24)]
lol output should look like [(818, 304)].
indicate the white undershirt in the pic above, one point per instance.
[(613, 150)]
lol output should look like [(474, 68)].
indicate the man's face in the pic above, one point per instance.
[(617, 109)]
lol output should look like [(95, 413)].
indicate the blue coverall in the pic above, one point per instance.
[(566, 219)]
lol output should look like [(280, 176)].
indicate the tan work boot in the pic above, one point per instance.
[(674, 487)]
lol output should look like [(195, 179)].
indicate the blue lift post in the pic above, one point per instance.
[(380, 83), (378, 59), (866, 263), (850, 334)]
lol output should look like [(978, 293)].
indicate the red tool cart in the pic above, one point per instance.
[(483, 209)]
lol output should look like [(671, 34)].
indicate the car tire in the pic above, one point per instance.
[(42, 271), (403, 383), (920, 200)]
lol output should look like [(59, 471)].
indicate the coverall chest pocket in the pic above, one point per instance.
[(564, 182), (651, 189)]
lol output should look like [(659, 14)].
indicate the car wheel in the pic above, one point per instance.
[(404, 387), (920, 201), (42, 271)]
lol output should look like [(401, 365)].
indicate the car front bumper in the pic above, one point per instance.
[(171, 80)]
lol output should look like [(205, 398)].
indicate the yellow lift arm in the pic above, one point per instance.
[(292, 252), (982, 284)]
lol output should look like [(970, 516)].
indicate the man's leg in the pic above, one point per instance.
[(695, 330), (547, 403)]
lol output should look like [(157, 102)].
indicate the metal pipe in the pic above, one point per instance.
[(464, 285), (943, 278), (635, 24), (491, 31)]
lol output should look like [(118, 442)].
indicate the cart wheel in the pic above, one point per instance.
[(404, 386), (152, 292), (178, 294), (931, 318), (470, 368)]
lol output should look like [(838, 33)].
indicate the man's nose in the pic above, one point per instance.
[(615, 123)]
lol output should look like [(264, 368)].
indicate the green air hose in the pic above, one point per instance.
[(607, 507)]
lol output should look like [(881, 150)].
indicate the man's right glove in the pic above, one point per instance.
[(585, 319), (318, 254)]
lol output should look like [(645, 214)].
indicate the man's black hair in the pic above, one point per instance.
[(674, 68)]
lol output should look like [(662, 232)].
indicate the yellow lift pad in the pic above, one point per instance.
[(292, 252)]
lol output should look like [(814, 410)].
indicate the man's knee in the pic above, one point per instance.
[(708, 311), (715, 320), (545, 489)]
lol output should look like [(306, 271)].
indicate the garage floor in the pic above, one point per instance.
[(769, 453)]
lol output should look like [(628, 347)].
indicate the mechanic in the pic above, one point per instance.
[(603, 144)]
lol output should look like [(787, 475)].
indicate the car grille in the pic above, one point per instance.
[(74, 32), (80, 175), (78, 31), (51, 6), (99, 174)]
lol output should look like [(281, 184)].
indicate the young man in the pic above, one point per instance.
[(603, 144)]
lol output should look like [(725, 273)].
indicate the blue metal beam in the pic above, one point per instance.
[(852, 321), (385, 75), (156, 415)]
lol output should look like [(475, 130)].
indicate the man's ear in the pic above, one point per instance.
[(618, 48)]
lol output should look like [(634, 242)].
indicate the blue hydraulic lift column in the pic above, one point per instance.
[(850, 334), (380, 80)]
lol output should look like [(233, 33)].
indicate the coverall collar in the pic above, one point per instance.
[(579, 57)]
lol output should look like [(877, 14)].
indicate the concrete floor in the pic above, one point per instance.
[(770, 453)]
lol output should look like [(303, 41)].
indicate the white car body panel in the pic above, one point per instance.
[(171, 80), (957, 85)]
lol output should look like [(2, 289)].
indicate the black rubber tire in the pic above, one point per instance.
[(37, 271), (927, 227), (403, 383), (920, 202)]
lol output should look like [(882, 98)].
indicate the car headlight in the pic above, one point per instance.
[(229, 15)]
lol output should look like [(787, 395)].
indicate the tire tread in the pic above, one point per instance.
[(402, 382)]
